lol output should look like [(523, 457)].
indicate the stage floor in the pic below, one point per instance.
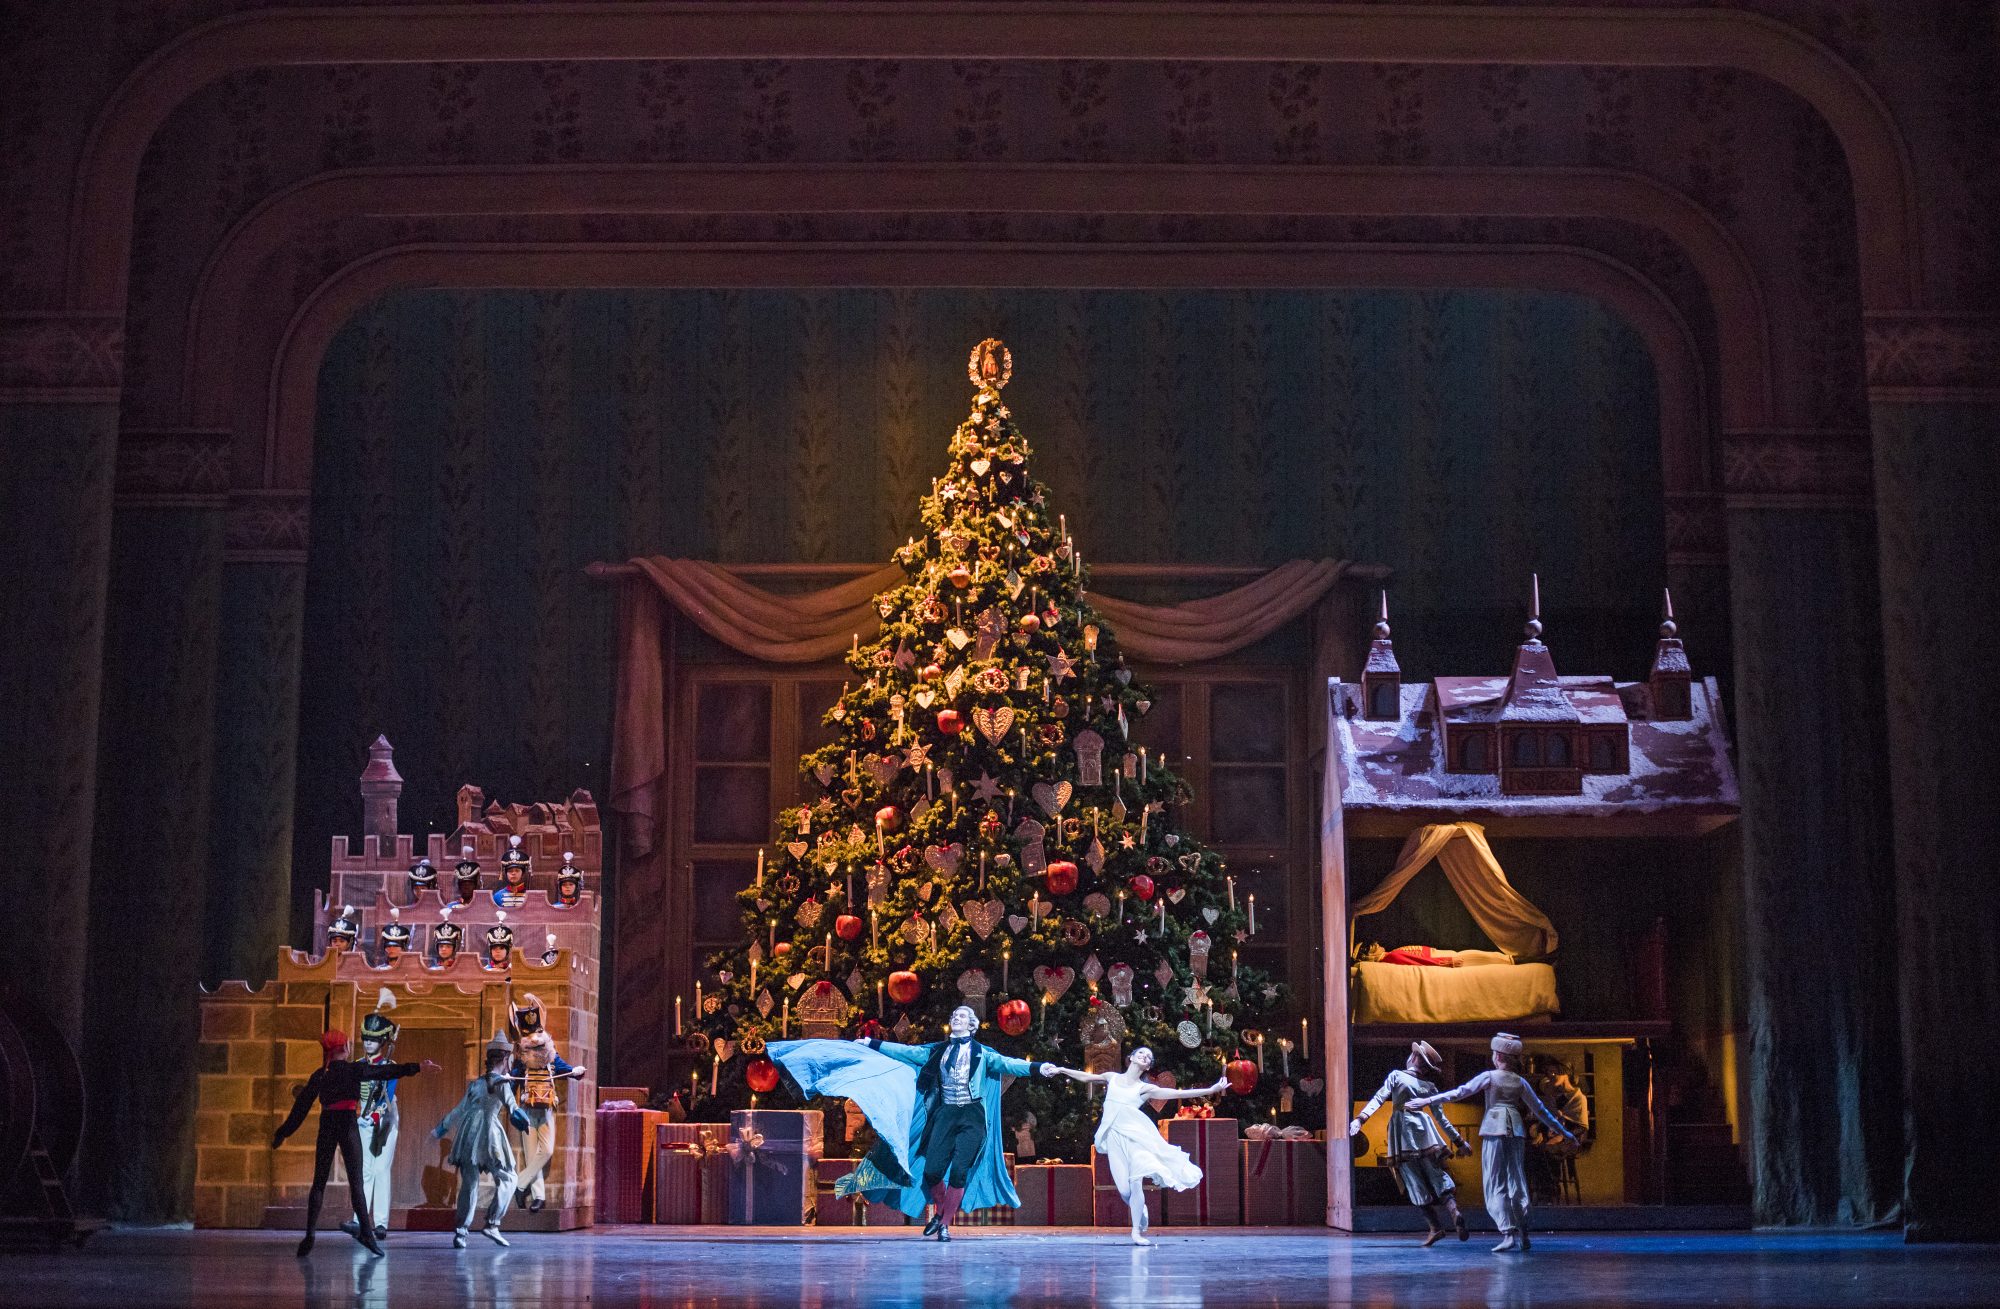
[(653, 1266)]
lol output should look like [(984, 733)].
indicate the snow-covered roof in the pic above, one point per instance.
[(1398, 764)]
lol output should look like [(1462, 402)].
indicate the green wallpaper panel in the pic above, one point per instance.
[(476, 449)]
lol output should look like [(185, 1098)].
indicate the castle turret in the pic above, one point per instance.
[(381, 785), (1538, 724)]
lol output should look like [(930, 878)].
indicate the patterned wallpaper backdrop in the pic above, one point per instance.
[(476, 449)]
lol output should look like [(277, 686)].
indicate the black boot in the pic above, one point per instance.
[(936, 1193)]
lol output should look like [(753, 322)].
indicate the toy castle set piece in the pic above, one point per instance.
[(448, 960)]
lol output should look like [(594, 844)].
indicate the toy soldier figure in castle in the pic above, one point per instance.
[(446, 937), (499, 943), (569, 882), (537, 1068), (377, 1117), (342, 932), (423, 877), (512, 892), (395, 938), (467, 871), (479, 1145), (948, 1092), (336, 1085)]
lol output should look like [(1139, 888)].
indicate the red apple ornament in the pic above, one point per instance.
[(1142, 886), (888, 818), (762, 1075), (1062, 877), (905, 986), (950, 722), (847, 927), (1014, 1017), (1242, 1075)]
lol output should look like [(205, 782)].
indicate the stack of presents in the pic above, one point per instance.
[(767, 1167)]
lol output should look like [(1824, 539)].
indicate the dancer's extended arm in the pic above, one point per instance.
[(1152, 1092), (1077, 1074)]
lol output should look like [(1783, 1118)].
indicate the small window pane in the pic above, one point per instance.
[(1523, 752), (815, 698), (1382, 700), (1248, 805), (1159, 728), (1246, 722), (717, 915), (1475, 753), (1555, 749), (732, 803), (733, 722)]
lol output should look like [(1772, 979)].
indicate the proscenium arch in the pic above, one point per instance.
[(213, 344), (104, 197), (291, 377)]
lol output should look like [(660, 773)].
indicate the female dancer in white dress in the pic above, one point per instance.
[(1130, 1140)]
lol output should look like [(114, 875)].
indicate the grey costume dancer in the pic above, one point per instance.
[(1503, 1137), (478, 1128), (1414, 1148)]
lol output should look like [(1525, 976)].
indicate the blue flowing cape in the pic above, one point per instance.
[(886, 1091)]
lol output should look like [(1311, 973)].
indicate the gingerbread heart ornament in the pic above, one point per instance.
[(1052, 798), (993, 724), (983, 916), (1054, 982), (944, 858)]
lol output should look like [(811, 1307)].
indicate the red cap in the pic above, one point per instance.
[(333, 1042)]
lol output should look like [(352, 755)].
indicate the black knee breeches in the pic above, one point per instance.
[(953, 1138)]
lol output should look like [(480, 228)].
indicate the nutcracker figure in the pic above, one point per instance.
[(512, 892), (538, 1066)]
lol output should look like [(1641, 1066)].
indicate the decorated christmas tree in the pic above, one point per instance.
[(983, 831)]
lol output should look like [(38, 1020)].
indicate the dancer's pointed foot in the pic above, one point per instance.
[(1435, 1235), (1508, 1243), (370, 1244), (305, 1245), (458, 1239), (1139, 1240), (492, 1233)]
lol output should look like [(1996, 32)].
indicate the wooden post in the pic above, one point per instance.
[(1333, 944)]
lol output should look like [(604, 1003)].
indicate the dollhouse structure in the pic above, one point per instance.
[(376, 932), (1569, 766)]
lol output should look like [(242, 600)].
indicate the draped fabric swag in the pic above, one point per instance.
[(818, 625), (1503, 913)]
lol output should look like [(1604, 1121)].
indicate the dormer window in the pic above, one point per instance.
[(1382, 676), (1382, 700)]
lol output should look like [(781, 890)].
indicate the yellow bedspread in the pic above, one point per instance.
[(1401, 993)]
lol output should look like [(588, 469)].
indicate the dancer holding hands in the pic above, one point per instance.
[(1130, 1140)]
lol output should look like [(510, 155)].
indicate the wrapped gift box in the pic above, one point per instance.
[(1053, 1195), (1212, 1144), (850, 1211), (773, 1159), (691, 1173), (625, 1164), (1284, 1183), (1107, 1205)]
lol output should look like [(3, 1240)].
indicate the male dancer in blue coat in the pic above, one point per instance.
[(937, 1134)]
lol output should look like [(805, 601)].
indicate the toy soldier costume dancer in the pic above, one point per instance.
[(937, 1132), (1415, 1150), (537, 1068), (337, 1084), (377, 1119), (478, 1131), (1503, 1137)]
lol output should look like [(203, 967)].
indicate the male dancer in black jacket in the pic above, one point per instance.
[(336, 1084)]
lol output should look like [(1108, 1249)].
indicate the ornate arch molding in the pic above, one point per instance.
[(1878, 159), (289, 373), (213, 345)]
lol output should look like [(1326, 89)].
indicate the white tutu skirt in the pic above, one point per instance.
[(1131, 1142)]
